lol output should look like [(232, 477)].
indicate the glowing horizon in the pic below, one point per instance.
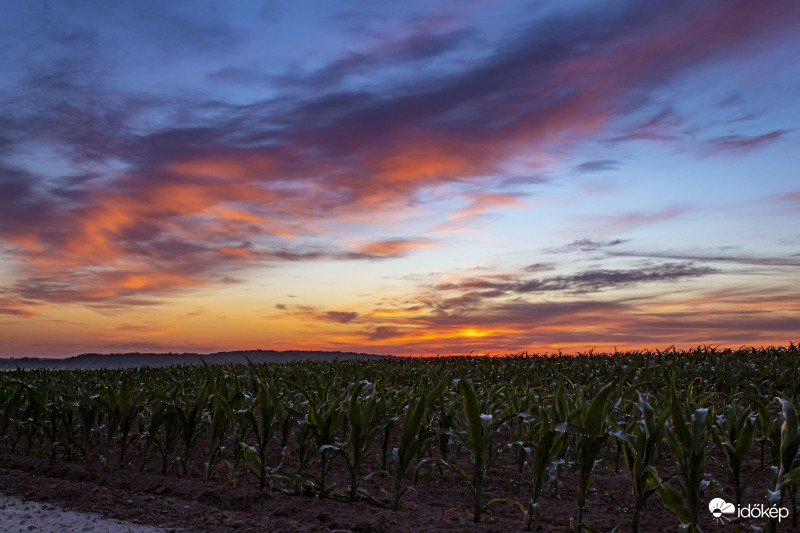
[(405, 179)]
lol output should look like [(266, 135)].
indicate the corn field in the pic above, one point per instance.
[(375, 430)]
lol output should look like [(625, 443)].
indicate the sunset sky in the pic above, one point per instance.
[(398, 177)]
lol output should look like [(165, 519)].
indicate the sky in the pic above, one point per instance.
[(410, 178)]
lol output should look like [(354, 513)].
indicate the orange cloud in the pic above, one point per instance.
[(416, 164), (250, 166), (392, 247), (16, 307), (482, 203), (130, 332)]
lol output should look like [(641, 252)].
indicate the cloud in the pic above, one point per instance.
[(123, 332), (507, 311), (744, 143), (170, 190), (462, 319), (390, 248), (504, 306), (598, 166), (792, 197), (311, 313), (383, 333), (587, 245), (342, 317), (741, 259), (581, 282), (482, 203), (661, 127), (610, 224), (16, 307), (539, 267)]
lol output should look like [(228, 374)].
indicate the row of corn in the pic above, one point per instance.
[(656, 415)]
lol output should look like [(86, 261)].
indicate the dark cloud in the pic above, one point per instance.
[(383, 332), (581, 282), (16, 307), (595, 280), (587, 245), (660, 127), (539, 267), (713, 258), (473, 308), (522, 312), (598, 166), (406, 51), (745, 143), (521, 322), (342, 317), (502, 324)]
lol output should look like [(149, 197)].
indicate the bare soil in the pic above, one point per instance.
[(199, 505)]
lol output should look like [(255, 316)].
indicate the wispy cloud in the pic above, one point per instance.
[(740, 259), (342, 317), (615, 224), (390, 247), (587, 245), (745, 143), (581, 282), (16, 307), (598, 166)]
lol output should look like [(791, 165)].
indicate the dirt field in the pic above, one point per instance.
[(198, 505)]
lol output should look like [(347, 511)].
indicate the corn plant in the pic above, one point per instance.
[(364, 426), (386, 412), (305, 453), (733, 435), (163, 432), (31, 420), (589, 422), (787, 476), (445, 415), (556, 407), (479, 440), (689, 442), (324, 418), (640, 442), (412, 440), (768, 429), (239, 420), (122, 406), (188, 406), (53, 420), (67, 413), (11, 398), (521, 427), (264, 416), (217, 419), (88, 405), (542, 447)]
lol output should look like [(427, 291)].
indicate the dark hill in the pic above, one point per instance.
[(130, 360)]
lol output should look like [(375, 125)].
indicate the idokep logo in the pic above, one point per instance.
[(723, 511), (719, 508)]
